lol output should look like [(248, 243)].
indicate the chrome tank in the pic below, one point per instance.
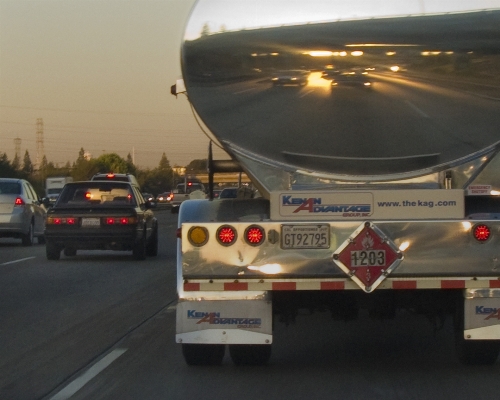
[(393, 91)]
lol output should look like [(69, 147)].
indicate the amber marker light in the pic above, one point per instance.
[(198, 236), (226, 235), (254, 235), (481, 232)]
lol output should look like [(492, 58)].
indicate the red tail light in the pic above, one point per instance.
[(226, 235), (481, 232), (254, 235), (120, 220), (19, 202), (61, 221)]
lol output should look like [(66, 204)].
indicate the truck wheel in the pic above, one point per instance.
[(139, 250), (473, 352), (250, 354), (69, 251), (203, 354), (152, 249), (28, 237), (52, 251)]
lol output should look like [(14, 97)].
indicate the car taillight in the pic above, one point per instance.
[(120, 220), (61, 221), (481, 232), (226, 235), (254, 235), (19, 202)]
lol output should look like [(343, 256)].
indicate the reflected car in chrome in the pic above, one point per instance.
[(101, 215), (290, 77), (22, 214), (352, 79)]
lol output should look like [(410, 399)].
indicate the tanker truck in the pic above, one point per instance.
[(377, 160)]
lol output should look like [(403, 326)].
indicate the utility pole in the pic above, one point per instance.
[(39, 143)]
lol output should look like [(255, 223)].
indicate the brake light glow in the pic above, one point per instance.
[(61, 221), (226, 235), (481, 232), (88, 195), (110, 176), (120, 220), (19, 202), (254, 235)]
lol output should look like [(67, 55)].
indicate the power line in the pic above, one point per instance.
[(87, 111)]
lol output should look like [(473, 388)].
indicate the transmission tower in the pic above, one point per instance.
[(39, 143), (17, 147)]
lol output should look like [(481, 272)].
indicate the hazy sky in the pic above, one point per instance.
[(99, 74)]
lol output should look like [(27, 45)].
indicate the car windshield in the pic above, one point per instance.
[(10, 188), (96, 193)]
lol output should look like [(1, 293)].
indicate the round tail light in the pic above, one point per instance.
[(481, 232), (226, 235), (255, 235)]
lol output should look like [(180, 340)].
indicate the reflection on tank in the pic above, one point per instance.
[(430, 98)]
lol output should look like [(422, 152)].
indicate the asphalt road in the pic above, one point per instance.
[(101, 326)]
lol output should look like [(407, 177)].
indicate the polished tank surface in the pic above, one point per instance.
[(338, 89)]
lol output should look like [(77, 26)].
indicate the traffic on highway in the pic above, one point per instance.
[(100, 325)]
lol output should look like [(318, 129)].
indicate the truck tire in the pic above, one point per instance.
[(250, 354), (52, 251), (473, 352), (152, 248), (28, 238), (139, 250), (203, 354)]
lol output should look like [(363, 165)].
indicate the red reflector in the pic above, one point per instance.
[(481, 232), (226, 235), (57, 221), (19, 202), (254, 235), (124, 221), (71, 221), (110, 221)]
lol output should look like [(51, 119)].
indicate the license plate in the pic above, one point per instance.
[(92, 222), (368, 258), (305, 236)]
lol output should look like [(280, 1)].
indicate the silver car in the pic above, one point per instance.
[(22, 214)]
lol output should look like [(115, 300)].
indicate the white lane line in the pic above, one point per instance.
[(305, 94), (243, 91), (16, 261), (418, 110), (73, 387)]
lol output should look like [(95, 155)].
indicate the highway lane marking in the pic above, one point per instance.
[(16, 261), (418, 110), (306, 93), (243, 91), (74, 386)]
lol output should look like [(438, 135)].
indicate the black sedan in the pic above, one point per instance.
[(100, 215)]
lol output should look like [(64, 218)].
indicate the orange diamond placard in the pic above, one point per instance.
[(368, 256)]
